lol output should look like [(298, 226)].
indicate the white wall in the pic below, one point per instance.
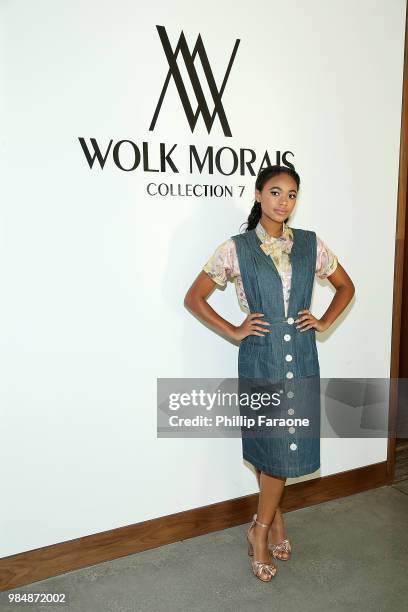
[(94, 270)]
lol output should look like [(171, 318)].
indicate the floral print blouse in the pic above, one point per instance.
[(223, 265)]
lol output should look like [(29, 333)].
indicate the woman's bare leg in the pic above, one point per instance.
[(277, 530), (271, 488)]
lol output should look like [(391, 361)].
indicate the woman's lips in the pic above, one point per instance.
[(280, 211)]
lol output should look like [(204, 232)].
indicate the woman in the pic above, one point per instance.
[(273, 267)]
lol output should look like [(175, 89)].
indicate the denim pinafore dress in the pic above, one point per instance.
[(283, 363)]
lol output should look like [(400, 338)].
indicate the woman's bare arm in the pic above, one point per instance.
[(344, 292), (196, 301)]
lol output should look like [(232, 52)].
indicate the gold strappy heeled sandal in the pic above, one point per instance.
[(259, 567), (276, 549)]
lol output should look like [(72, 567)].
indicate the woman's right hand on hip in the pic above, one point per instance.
[(251, 326)]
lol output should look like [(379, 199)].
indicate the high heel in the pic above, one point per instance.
[(260, 567), (284, 546)]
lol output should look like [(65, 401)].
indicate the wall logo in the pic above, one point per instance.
[(207, 160), (188, 58)]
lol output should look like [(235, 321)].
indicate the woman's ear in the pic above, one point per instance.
[(257, 195)]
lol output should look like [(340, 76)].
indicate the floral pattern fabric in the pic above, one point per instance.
[(223, 265)]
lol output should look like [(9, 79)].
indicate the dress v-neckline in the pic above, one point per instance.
[(292, 259)]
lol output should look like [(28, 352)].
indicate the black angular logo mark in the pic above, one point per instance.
[(174, 71)]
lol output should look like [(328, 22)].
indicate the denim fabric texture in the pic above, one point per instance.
[(284, 360)]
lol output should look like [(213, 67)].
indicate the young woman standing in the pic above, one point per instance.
[(273, 267)]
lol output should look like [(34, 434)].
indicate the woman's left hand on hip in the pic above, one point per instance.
[(307, 321)]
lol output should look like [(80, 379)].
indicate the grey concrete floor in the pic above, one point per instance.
[(348, 554)]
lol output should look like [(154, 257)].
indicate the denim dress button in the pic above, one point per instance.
[(293, 446), (291, 320), (286, 337), (288, 357), (291, 430), (289, 374), (291, 411), (290, 394)]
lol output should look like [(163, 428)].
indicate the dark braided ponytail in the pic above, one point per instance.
[(254, 216), (264, 175)]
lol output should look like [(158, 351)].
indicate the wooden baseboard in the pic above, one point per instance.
[(31, 566)]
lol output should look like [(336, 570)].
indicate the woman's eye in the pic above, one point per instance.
[(276, 193)]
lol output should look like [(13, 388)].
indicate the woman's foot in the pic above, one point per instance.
[(276, 536), (262, 565)]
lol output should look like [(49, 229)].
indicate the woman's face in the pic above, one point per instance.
[(278, 197)]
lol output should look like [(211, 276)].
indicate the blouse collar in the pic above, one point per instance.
[(287, 234)]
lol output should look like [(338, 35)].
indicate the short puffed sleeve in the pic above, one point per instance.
[(326, 260), (223, 263)]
